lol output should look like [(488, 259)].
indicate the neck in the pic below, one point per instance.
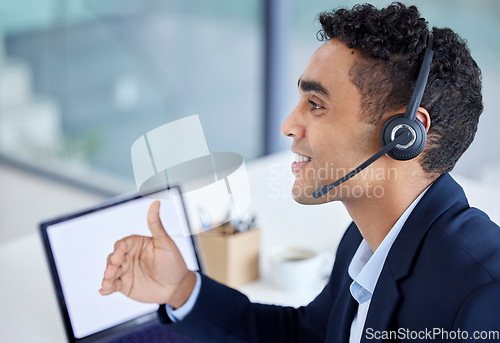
[(376, 215)]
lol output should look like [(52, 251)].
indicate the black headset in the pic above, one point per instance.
[(402, 136)]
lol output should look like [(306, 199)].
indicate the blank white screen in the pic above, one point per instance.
[(80, 247)]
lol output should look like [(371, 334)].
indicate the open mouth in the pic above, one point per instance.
[(301, 158), (300, 162)]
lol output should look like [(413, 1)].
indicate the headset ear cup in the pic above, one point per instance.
[(399, 122)]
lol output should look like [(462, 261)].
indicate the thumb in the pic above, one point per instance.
[(154, 222)]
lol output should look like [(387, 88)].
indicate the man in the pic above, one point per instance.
[(416, 264)]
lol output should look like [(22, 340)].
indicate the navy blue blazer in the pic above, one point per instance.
[(442, 272)]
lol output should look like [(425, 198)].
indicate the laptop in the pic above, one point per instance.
[(77, 247)]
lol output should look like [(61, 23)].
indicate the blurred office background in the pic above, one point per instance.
[(81, 80)]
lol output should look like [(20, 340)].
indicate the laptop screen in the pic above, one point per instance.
[(81, 243)]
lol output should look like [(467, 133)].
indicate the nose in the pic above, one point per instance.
[(292, 127)]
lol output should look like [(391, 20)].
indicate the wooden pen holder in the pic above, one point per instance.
[(229, 256)]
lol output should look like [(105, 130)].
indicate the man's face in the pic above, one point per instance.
[(326, 127)]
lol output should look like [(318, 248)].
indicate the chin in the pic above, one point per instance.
[(303, 195)]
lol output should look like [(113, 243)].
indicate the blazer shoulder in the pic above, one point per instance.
[(471, 232), (480, 311)]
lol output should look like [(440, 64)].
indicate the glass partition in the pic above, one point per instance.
[(81, 80)]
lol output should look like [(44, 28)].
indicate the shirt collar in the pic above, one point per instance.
[(366, 265)]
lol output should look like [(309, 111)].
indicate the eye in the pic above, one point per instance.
[(315, 106)]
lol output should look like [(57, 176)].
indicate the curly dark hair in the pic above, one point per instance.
[(392, 42)]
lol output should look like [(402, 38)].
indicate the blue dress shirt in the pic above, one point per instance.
[(365, 268), (181, 312)]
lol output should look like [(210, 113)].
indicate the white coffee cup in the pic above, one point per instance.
[(295, 268)]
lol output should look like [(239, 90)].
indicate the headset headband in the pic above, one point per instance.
[(416, 97)]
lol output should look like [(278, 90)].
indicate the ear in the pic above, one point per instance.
[(424, 117)]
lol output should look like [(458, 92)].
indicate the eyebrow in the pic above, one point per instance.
[(312, 86)]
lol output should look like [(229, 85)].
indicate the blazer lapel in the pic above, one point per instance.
[(383, 304), (443, 194), (342, 315)]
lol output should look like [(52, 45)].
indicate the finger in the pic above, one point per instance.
[(113, 272), (106, 287), (111, 275), (155, 225), (117, 285), (103, 292), (109, 287), (122, 248), (108, 260), (117, 272), (110, 268), (115, 267)]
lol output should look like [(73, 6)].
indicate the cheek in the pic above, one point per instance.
[(330, 143), (324, 136)]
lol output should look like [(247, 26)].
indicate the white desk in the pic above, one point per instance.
[(28, 307)]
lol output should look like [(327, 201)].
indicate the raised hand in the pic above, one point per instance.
[(149, 269)]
